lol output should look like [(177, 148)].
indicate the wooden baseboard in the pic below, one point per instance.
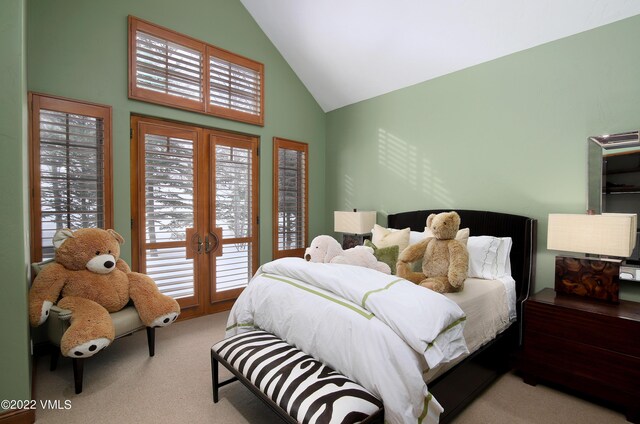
[(18, 416)]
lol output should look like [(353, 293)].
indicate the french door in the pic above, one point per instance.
[(194, 197)]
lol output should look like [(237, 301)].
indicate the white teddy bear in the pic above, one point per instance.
[(326, 249)]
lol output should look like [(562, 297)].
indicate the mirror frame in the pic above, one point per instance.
[(597, 145)]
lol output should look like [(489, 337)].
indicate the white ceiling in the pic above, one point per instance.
[(345, 51)]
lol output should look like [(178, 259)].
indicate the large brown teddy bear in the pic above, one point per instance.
[(445, 261), (93, 281)]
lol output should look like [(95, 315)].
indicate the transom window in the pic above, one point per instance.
[(175, 70), (169, 68)]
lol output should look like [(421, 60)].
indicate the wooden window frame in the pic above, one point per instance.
[(153, 96), (38, 101), (229, 113), (252, 144), (290, 145), (206, 50)]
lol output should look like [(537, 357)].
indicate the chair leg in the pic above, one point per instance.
[(151, 340), (214, 377), (55, 354), (78, 369)]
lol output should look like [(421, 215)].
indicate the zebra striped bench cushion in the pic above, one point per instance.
[(309, 391)]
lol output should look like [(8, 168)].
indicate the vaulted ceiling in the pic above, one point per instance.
[(345, 51)]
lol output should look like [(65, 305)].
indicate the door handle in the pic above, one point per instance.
[(195, 245), (212, 242)]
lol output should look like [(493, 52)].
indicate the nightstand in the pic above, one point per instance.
[(585, 345)]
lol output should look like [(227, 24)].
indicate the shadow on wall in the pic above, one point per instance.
[(398, 157), (411, 175), (413, 169), (349, 192)]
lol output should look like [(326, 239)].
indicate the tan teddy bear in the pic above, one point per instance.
[(93, 281), (445, 261)]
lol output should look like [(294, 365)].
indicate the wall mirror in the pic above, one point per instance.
[(614, 179)]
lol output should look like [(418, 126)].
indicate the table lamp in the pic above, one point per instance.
[(354, 226), (611, 235)]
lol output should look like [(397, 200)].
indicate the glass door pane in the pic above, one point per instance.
[(169, 191), (234, 172)]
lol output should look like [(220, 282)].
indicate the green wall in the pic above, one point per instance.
[(14, 328), (508, 135), (78, 49)]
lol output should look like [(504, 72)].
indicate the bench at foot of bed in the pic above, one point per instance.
[(296, 386)]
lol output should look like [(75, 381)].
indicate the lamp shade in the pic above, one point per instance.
[(612, 234), (353, 222)]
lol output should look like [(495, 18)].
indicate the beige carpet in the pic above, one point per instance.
[(124, 385)]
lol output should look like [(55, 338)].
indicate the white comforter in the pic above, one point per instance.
[(381, 331)]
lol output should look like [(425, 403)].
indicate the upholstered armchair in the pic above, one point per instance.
[(126, 322)]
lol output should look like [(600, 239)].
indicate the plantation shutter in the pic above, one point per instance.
[(235, 211), (235, 86), (169, 211), (291, 190), (166, 67), (172, 69), (71, 176), (194, 203)]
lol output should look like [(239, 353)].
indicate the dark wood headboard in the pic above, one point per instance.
[(521, 229)]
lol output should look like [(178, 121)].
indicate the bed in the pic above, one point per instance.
[(363, 323), (457, 387)]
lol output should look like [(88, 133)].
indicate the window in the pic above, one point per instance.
[(290, 189), (166, 67), (175, 70), (71, 186), (235, 86)]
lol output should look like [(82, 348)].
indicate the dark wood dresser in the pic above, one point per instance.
[(585, 345)]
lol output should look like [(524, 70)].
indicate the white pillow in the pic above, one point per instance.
[(385, 237), (489, 257), (462, 235), (504, 256), (416, 237)]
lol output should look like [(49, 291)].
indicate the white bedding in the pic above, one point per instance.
[(490, 309), (397, 302), (360, 322), (485, 302)]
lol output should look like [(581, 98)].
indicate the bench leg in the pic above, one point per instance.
[(78, 370), (151, 340), (215, 381), (214, 377)]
